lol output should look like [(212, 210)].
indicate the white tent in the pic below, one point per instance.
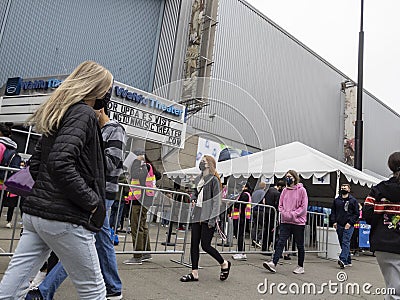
[(305, 160)]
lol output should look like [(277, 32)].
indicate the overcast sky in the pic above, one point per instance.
[(330, 28)]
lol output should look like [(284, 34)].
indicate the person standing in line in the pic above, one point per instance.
[(293, 204), (257, 214), (271, 198), (344, 215), (9, 157), (206, 199), (114, 142), (67, 203), (143, 174), (382, 211), (240, 215)]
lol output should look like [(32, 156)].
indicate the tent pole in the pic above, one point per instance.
[(337, 183)]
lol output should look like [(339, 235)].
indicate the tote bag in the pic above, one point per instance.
[(20, 183)]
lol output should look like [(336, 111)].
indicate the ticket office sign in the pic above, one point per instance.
[(147, 116)]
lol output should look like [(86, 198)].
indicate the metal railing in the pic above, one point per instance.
[(167, 221)]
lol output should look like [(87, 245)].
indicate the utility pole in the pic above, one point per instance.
[(359, 122)]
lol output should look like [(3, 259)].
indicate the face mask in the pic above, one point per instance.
[(202, 166), (103, 102), (289, 181), (344, 192)]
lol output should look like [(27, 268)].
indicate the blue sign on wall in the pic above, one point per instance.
[(363, 235), (14, 85)]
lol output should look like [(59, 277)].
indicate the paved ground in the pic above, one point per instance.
[(159, 278)]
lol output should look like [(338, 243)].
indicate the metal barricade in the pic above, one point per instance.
[(260, 227), (257, 235), (9, 237), (142, 228)]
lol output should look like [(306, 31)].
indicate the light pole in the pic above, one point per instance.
[(359, 122)]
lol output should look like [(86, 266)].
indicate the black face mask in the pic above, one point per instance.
[(289, 181), (202, 166), (103, 102), (343, 192)]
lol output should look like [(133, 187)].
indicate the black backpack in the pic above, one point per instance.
[(11, 159)]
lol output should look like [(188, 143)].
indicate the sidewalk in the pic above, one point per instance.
[(159, 279)]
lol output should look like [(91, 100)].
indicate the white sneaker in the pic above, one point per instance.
[(8, 225), (270, 266), (298, 270), (239, 256), (348, 265)]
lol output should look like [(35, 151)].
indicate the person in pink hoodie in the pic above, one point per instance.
[(293, 217)]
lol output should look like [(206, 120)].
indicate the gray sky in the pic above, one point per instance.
[(331, 27)]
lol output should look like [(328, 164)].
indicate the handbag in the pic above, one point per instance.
[(20, 183)]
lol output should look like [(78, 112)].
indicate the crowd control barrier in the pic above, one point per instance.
[(165, 217)]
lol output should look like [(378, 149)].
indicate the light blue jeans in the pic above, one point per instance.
[(108, 264), (73, 244)]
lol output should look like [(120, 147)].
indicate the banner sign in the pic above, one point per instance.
[(363, 234)]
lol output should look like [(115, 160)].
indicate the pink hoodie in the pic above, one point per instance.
[(293, 205)]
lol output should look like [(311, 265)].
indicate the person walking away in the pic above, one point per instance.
[(344, 215), (241, 214), (9, 157), (143, 174), (67, 203), (206, 200), (382, 211), (271, 198), (293, 204), (257, 216)]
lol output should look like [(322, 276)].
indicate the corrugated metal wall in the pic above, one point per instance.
[(172, 51), (3, 11), (381, 135), (51, 37), (167, 46), (298, 91)]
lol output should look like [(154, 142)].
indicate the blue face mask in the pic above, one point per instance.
[(289, 181)]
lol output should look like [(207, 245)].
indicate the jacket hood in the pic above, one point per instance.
[(295, 187), (8, 142), (390, 189)]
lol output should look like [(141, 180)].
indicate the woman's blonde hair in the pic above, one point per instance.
[(212, 165), (89, 81)]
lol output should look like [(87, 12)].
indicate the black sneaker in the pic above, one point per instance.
[(34, 294), (114, 296), (341, 264)]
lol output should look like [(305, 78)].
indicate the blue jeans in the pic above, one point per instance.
[(107, 258), (73, 244), (344, 236), (116, 214)]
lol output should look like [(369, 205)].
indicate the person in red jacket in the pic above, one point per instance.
[(382, 211)]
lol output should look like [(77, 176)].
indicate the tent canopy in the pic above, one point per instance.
[(277, 161)]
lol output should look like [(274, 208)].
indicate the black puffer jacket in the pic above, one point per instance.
[(69, 172)]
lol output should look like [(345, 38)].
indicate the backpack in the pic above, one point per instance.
[(11, 159)]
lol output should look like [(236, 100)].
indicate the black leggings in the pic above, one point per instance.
[(201, 232)]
